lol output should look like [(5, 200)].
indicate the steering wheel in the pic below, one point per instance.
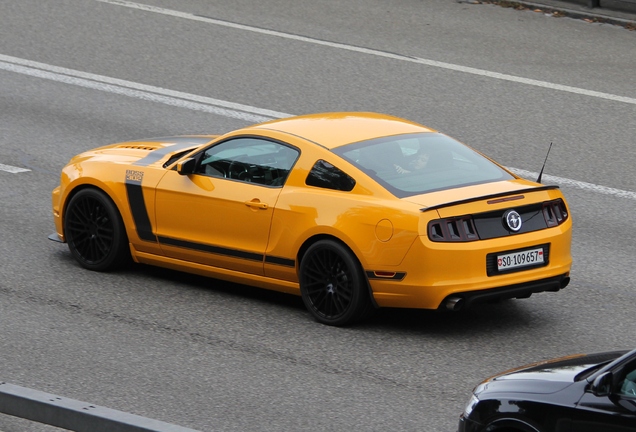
[(238, 170)]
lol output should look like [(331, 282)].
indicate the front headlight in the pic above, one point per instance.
[(470, 406)]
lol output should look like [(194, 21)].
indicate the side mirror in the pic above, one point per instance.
[(602, 385), (186, 166)]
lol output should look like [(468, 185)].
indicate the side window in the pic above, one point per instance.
[(252, 160), (628, 386), (325, 175)]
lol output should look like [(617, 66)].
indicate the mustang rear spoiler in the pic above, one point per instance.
[(493, 196)]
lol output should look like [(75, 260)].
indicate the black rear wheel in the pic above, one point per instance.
[(332, 284), (94, 231)]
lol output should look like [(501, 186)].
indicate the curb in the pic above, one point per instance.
[(570, 10)]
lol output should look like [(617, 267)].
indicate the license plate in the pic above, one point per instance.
[(525, 258)]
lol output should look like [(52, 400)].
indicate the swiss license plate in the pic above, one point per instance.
[(524, 258)]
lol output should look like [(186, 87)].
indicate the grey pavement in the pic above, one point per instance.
[(571, 9)]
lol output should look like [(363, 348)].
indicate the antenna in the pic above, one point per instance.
[(546, 159)]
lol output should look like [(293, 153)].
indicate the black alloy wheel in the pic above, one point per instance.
[(332, 284), (94, 231)]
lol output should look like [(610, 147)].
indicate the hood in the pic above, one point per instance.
[(147, 151), (548, 376)]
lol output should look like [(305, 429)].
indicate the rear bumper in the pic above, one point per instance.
[(461, 300), (436, 272)]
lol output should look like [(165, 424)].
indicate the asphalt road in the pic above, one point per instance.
[(215, 356)]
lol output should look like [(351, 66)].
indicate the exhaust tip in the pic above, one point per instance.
[(454, 303)]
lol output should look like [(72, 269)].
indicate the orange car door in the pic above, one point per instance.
[(221, 214)]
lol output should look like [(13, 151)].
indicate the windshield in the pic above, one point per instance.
[(414, 164)]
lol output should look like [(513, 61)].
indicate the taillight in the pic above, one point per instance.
[(555, 212), (457, 229), (491, 224)]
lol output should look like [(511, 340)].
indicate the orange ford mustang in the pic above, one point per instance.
[(352, 211)]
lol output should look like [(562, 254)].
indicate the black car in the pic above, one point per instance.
[(578, 393)]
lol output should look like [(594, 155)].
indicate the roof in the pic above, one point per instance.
[(335, 129)]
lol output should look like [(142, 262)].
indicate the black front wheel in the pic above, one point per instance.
[(95, 232), (332, 284)]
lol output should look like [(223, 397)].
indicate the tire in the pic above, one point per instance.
[(333, 286), (94, 231)]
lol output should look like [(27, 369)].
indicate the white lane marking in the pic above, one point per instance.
[(12, 169), (575, 183), (200, 103), (140, 91), (377, 53)]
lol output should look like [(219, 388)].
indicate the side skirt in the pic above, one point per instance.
[(217, 273)]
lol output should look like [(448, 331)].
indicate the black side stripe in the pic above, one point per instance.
[(139, 211), (211, 248), (219, 250), (280, 261)]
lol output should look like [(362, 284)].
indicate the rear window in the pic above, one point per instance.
[(414, 164)]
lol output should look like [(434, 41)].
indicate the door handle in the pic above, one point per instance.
[(257, 204)]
